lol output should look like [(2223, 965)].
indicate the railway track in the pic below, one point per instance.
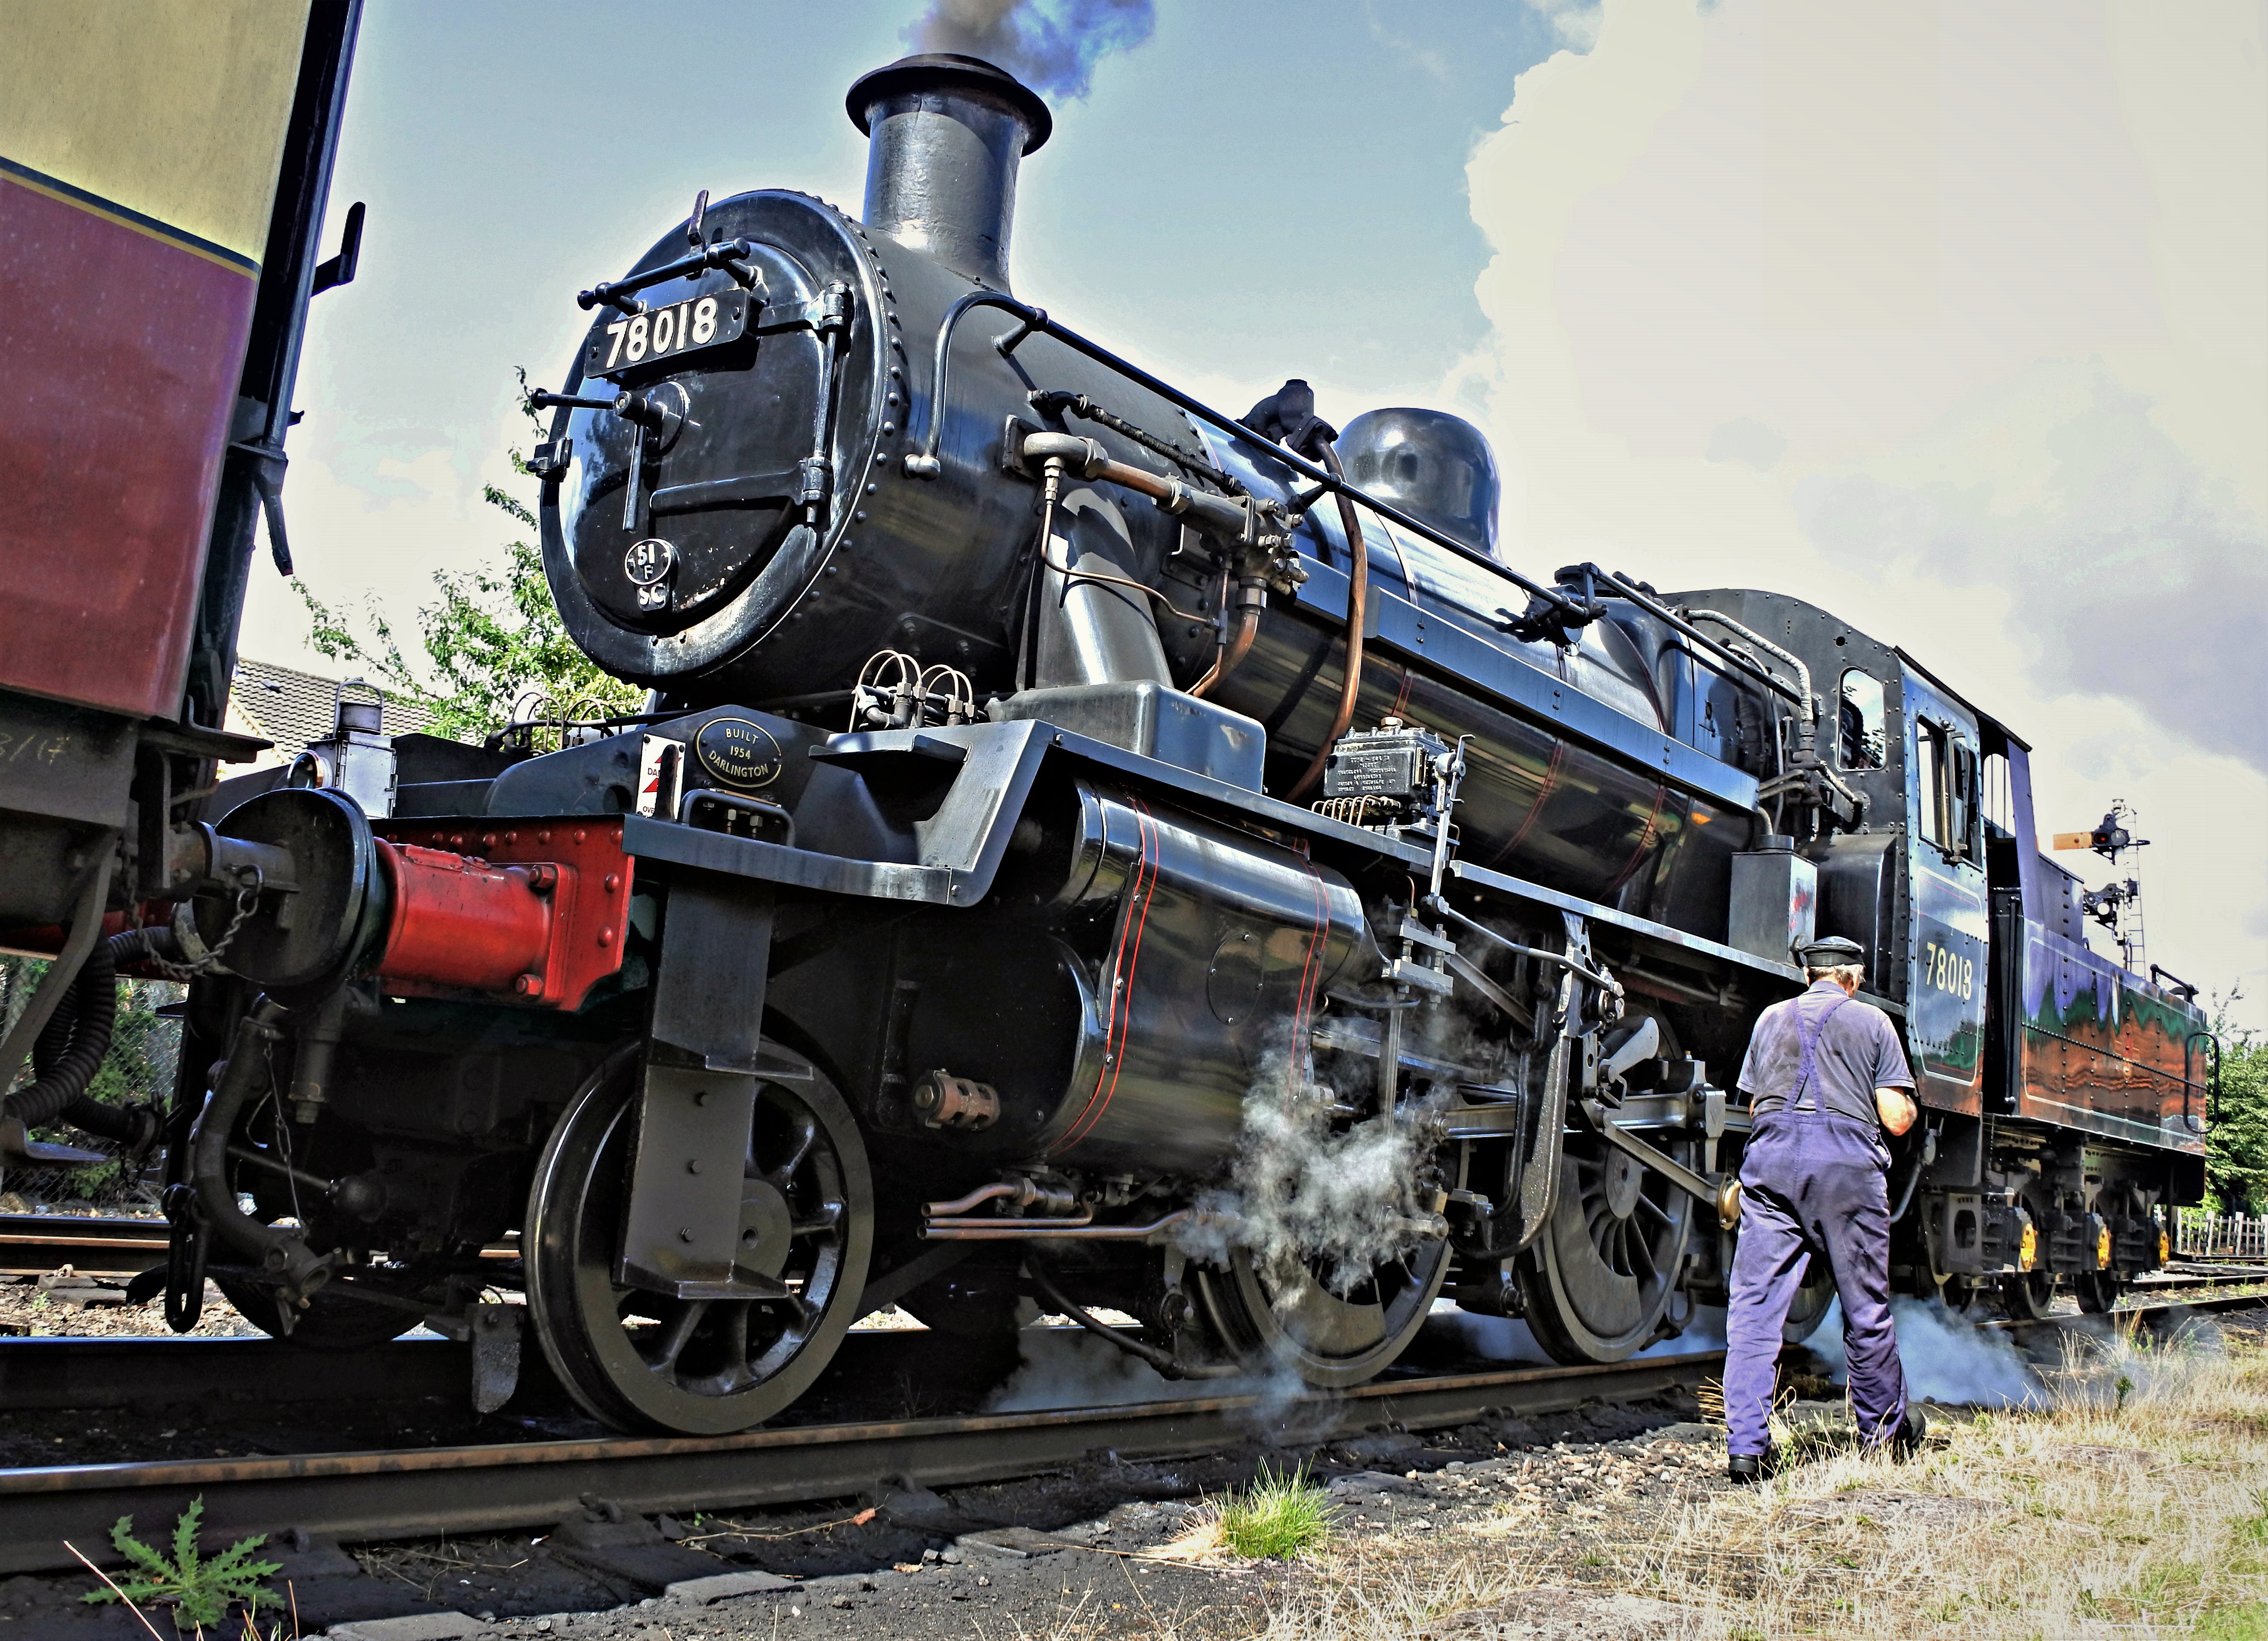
[(412, 1491), (406, 1492)]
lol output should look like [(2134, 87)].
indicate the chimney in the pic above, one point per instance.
[(945, 134)]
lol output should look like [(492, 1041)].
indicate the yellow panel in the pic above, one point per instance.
[(2074, 840), (173, 108)]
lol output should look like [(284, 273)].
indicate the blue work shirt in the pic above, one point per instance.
[(1857, 1052)]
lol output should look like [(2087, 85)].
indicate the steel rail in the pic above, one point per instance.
[(406, 1492)]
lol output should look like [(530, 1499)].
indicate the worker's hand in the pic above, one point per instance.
[(1896, 1109)]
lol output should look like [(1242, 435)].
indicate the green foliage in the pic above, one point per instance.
[(1281, 1514), (494, 638), (2236, 1153), (202, 1588)]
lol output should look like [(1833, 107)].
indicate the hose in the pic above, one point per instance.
[(71, 1047), (1358, 605)]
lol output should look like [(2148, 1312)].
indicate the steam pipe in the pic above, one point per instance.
[(963, 1204), (1809, 701), (1080, 1230), (1358, 617), (924, 463), (1232, 656)]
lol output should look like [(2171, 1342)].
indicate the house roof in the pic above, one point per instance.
[(291, 708)]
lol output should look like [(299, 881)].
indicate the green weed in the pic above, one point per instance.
[(202, 1588)]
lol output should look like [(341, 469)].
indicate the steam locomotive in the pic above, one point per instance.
[(1085, 850)]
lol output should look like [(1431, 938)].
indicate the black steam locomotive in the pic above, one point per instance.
[(1091, 851)]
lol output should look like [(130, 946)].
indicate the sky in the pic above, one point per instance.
[(1951, 320)]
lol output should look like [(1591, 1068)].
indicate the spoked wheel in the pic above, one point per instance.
[(640, 1359), (1812, 1300), (1273, 1317), (2028, 1297), (1599, 1278), (2096, 1290)]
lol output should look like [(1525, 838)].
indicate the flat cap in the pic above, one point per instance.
[(1831, 952)]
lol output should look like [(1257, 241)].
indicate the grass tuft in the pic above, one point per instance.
[(1282, 1514)]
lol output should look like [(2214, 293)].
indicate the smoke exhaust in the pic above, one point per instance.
[(945, 134)]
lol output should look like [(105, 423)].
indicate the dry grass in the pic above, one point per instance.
[(2133, 1502)]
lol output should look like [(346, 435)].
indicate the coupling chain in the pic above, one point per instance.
[(248, 897)]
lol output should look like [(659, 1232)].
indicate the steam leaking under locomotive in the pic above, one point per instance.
[(1087, 848)]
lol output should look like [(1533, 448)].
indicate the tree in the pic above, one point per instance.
[(494, 640), (2236, 1150)]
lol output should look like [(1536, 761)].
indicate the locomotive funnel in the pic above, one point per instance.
[(947, 133)]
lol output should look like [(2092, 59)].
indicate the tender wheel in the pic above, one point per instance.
[(2096, 1290), (2028, 1297), (1958, 1294), (637, 1359), (1599, 1278), (1290, 1318)]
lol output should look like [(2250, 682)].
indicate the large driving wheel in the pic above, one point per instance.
[(644, 1360), (1812, 1301), (1273, 1318), (1600, 1277)]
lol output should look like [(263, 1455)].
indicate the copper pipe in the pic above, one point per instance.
[(1046, 1230), (1247, 628), (1358, 616), (963, 1204)]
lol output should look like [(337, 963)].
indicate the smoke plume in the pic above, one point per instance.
[(1051, 45)]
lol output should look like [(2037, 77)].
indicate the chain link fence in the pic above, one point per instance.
[(143, 1048)]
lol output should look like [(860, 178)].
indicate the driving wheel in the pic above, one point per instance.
[(639, 1359), (1811, 1302), (1598, 1277), (1275, 1315)]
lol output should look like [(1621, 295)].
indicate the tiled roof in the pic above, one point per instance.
[(292, 708)]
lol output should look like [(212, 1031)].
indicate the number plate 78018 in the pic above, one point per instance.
[(626, 342)]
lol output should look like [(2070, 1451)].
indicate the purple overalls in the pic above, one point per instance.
[(1812, 1184)]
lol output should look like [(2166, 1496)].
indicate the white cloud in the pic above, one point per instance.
[(1947, 319)]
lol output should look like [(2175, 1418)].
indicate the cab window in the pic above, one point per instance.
[(1944, 790), (1859, 727), (1929, 783)]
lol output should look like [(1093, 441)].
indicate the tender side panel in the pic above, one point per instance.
[(138, 153)]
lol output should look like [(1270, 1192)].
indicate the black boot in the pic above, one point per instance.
[(1744, 1468), (1912, 1431)]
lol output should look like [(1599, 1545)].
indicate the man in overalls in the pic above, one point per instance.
[(1825, 1074)]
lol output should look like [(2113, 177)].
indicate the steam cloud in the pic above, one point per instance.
[(1296, 1190), (1944, 1358), (1051, 45)]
